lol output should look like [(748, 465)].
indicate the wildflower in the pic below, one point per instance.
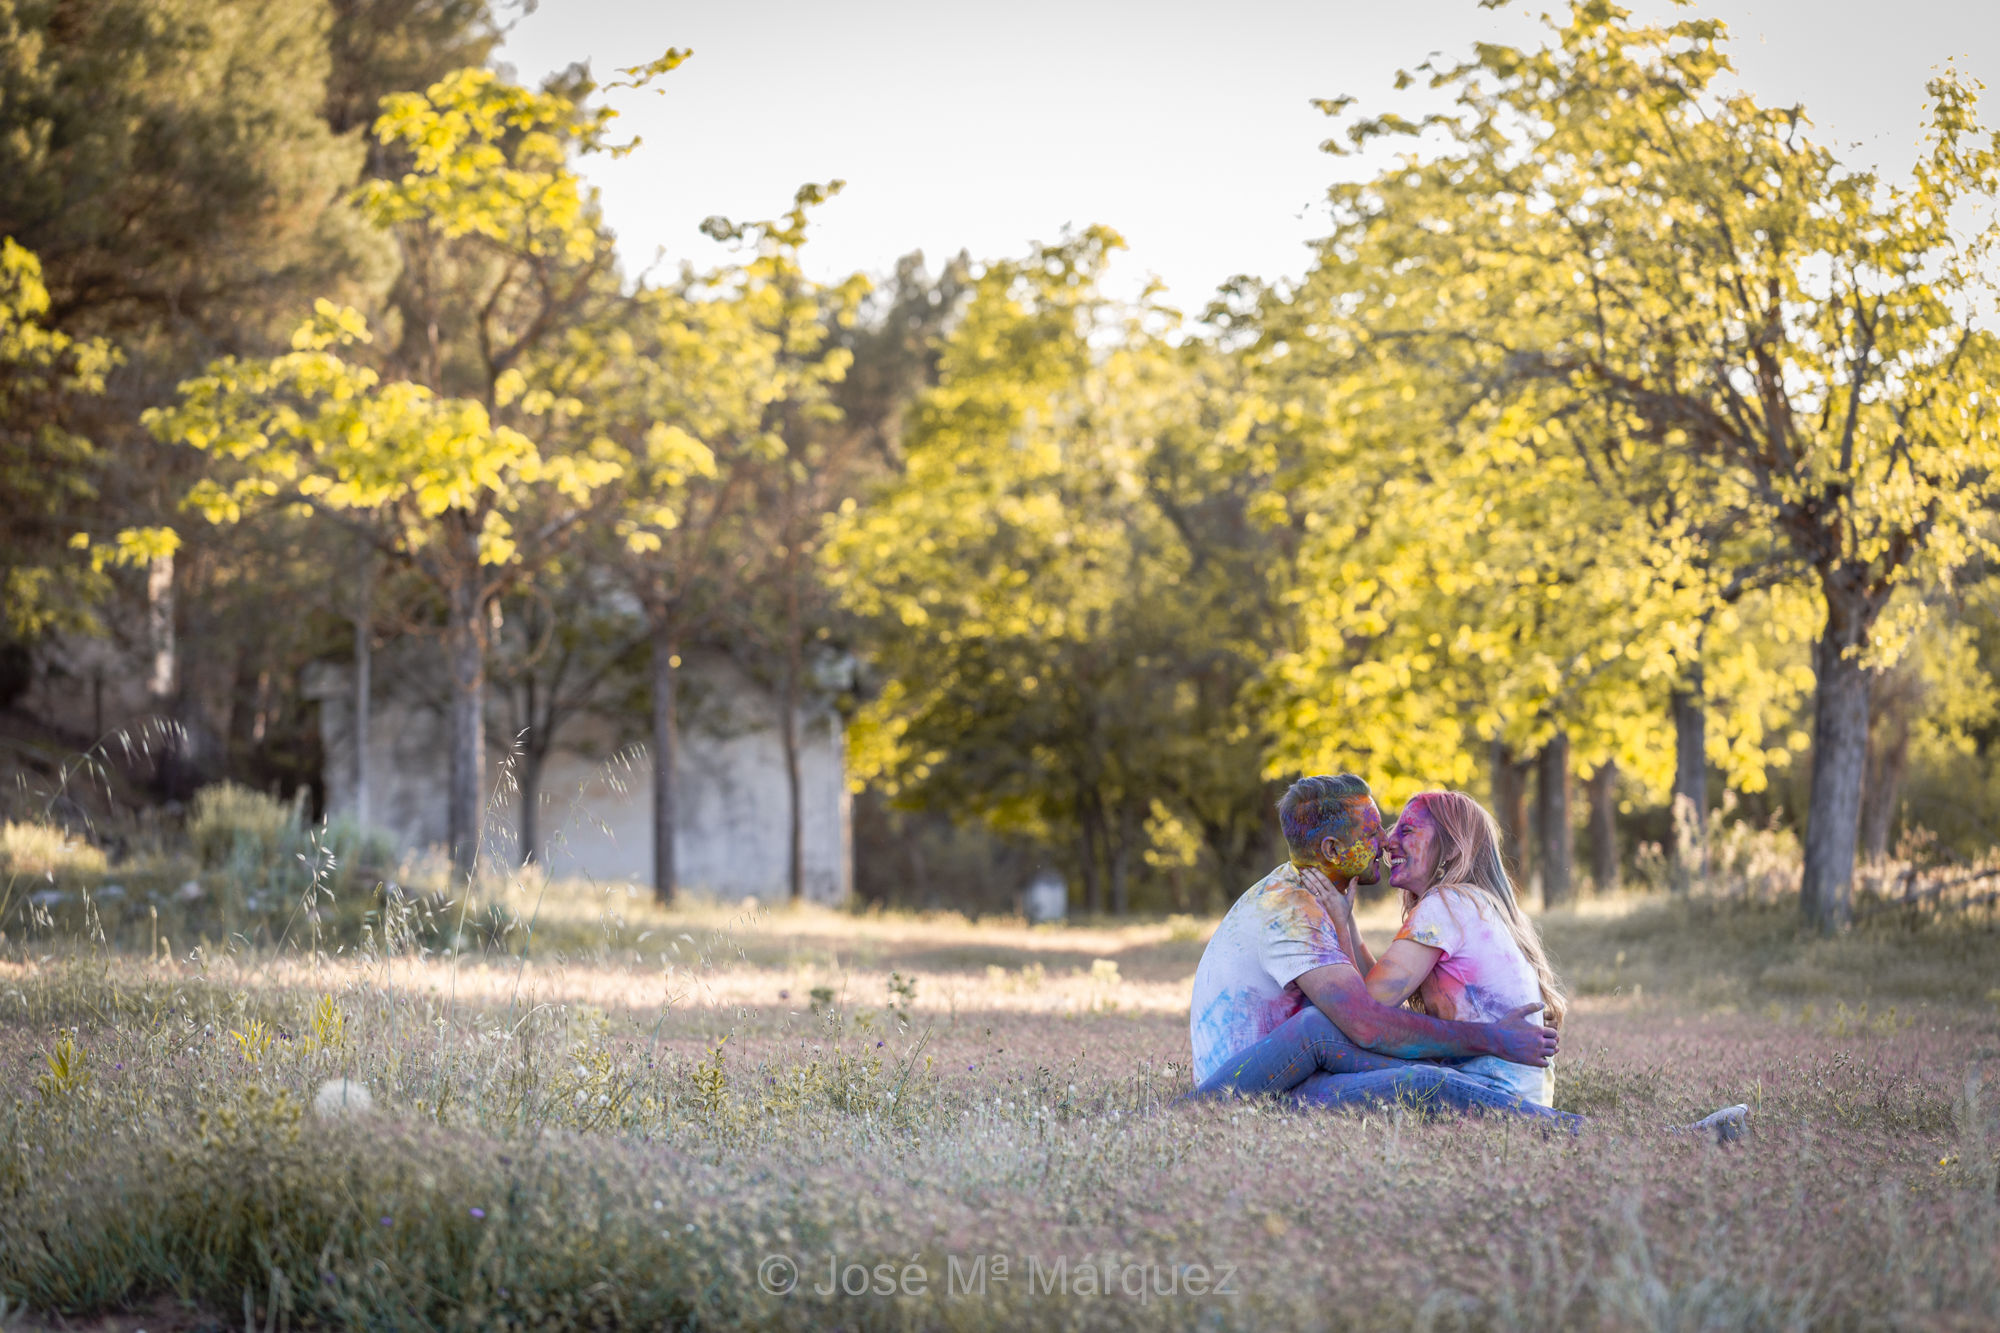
[(388, 1221), (478, 1214)]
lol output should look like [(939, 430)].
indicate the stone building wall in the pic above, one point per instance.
[(596, 795)]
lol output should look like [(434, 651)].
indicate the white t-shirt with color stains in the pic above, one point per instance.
[(1245, 986), (1481, 976)]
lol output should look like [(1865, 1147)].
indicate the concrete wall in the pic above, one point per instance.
[(596, 798)]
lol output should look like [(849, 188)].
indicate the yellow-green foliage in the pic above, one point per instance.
[(709, 1082), (491, 161), (1516, 512), (253, 1041), (46, 472), (66, 1073), (1061, 543), (328, 1030)]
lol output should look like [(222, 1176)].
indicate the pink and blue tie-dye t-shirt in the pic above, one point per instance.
[(1481, 976), (1245, 985)]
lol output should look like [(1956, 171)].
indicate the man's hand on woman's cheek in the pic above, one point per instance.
[(1323, 888)]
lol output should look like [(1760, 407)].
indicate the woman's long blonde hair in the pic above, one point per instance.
[(1469, 857)]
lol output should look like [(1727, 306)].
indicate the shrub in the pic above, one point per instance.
[(44, 849), (235, 828), (272, 862)]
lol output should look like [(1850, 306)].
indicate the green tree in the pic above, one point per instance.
[(168, 162), (562, 650), (895, 340), (47, 471), (380, 47), (187, 166), (1468, 576), (463, 466), (799, 493), (1945, 802), (1055, 658), (1926, 707), (710, 406), (1604, 229)]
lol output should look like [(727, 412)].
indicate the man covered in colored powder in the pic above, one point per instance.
[(1280, 1008)]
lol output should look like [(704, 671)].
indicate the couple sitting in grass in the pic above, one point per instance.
[(1459, 1012)]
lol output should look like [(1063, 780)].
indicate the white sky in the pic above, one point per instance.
[(1185, 126)]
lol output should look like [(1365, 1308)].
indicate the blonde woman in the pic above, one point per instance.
[(1466, 950)]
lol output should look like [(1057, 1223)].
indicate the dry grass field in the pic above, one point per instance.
[(722, 1117)]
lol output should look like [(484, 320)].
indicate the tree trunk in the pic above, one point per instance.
[(1879, 791), (1839, 757), (1091, 821), (530, 783), (1510, 807), (1121, 857), (920, 871), (1690, 782), (1558, 840), (160, 629), (795, 862), (180, 768), (364, 669), (666, 753), (465, 646), (1894, 696), (1230, 846), (1604, 826), (789, 732)]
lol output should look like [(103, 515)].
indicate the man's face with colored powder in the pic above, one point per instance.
[(1351, 848)]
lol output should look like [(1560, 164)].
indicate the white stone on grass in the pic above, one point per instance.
[(341, 1097)]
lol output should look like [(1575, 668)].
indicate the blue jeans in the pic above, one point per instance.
[(1313, 1061)]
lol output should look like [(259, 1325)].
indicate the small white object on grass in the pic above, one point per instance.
[(339, 1096)]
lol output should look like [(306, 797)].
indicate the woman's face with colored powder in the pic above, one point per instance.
[(1411, 849)]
